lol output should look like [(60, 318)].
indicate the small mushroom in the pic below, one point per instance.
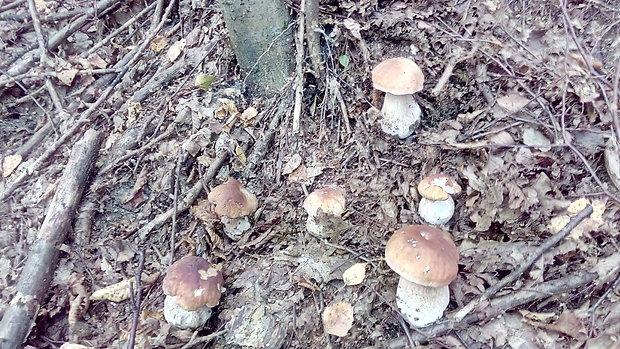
[(426, 259), (437, 206), (399, 78), (233, 204), (322, 205), (192, 286)]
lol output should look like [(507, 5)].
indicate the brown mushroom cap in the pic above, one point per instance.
[(438, 187), (194, 282), (329, 200), (423, 254), (398, 76), (232, 200)]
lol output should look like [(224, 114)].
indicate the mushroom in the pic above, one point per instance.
[(437, 206), (233, 203), (192, 286), (426, 259), (323, 205), (399, 78)]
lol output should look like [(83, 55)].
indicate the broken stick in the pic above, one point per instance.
[(37, 274), (499, 306)]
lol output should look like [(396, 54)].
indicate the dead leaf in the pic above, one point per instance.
[(469, 117), (240, 154), (612, 161), (300, 174), (159, 43), (292, 164), (120, 291), (338, 318), (248, 116), (513, 102), (117, 292), (570, 324), (175, 50), (67, 76), (533, 137), (10, 163), (355, 274), (592, 223), (96, 61), (136, 197), (353, 27)]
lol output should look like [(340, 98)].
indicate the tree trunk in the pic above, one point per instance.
[(262, 41)]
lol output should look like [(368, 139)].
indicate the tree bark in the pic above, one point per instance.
[(38, 272), (262, 41)]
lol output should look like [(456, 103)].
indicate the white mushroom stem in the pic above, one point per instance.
[(235, 227), (421, 305), (436, 212), (323, 224), (401, 115), (185, 319)]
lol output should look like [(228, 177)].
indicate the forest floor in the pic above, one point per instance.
[(519, 106)]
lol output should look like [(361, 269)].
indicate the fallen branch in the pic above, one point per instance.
[(38, 271), (552, 241), (515, 274), (499, 306), (260, 147), (187, 201)]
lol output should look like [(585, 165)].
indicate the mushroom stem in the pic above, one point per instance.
[(436, 212), (421, 305), (401, 115), (183, 318)]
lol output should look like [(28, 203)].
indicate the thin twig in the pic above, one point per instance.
[(32, 8), (552, 241), (204, 339), (136, 301), (299, 76), (175, 204), (499, 306), (121, 29), (84, 118), (188, 199), (355, 254)]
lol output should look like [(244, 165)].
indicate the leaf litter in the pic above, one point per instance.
[(496, 125)]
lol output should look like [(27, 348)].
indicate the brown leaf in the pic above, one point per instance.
[(10, 163), (612, 161), (512, 102), (355, 274), (338, 318), (66, 76)]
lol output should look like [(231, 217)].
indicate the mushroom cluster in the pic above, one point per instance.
[(233, 204), (426, 259), (323, 205), (399, 78), (192, 286), (437, 206)]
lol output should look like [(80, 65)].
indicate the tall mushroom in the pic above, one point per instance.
[(323, 205), (399, 78), (233, 203), (192, 286), (426, 259), (437, 206)]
